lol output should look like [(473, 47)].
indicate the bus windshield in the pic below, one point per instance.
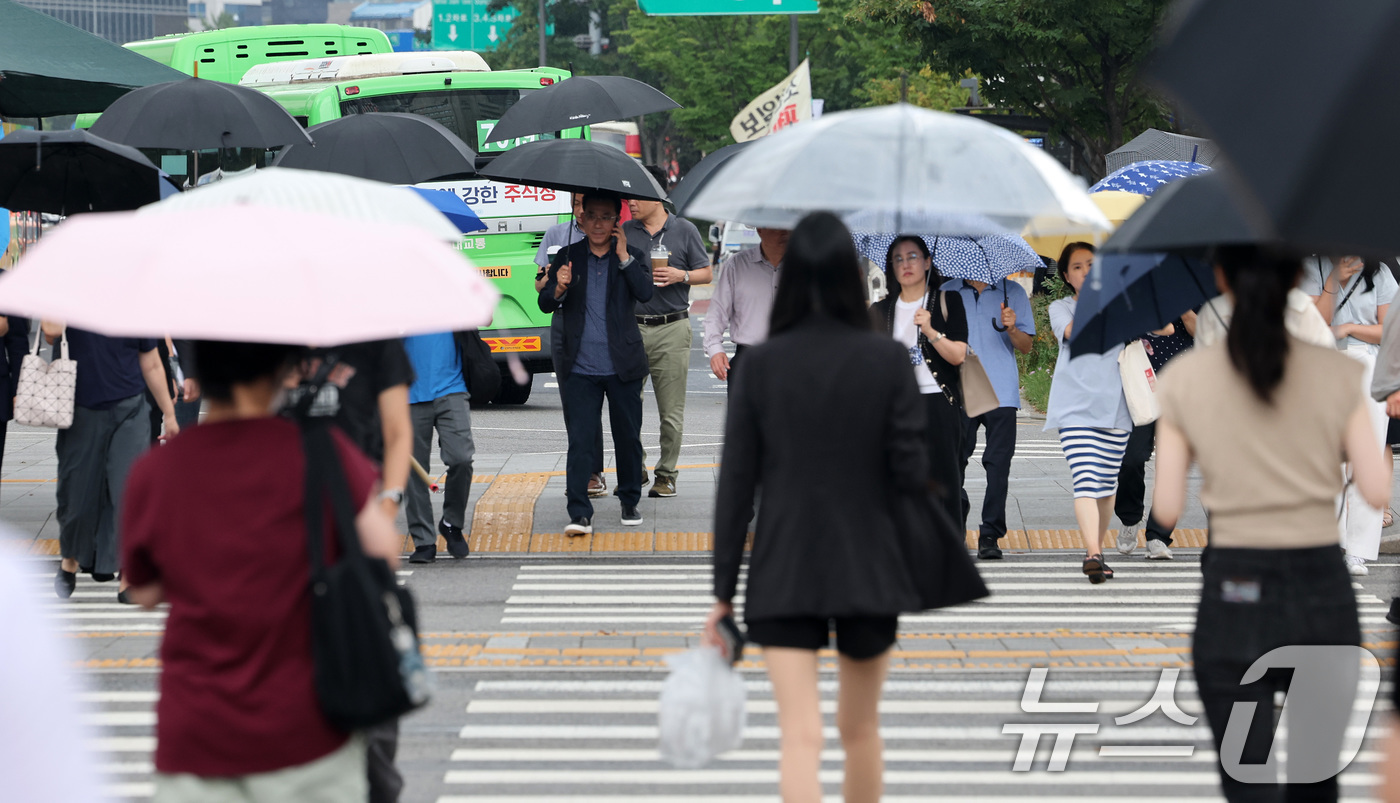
[(468, 113)]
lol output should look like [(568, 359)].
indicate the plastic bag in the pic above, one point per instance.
[(702, 711)]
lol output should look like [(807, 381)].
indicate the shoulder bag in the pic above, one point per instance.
[(979, 397), (364, 629), (1139, 384), (46, 391), (479, 367)]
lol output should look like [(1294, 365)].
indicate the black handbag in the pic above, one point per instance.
[(479, 366), (364, 627), (935, 553)]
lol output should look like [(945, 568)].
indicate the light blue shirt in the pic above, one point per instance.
[(438, 366), (1362, 306), (994, 348), (560, 234), (1087, 391)]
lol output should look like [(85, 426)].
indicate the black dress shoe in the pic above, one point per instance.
[(64, 583), (124, 599), (103, 577), (424, 554), (987, 548), (1393, 615), (456, 542)]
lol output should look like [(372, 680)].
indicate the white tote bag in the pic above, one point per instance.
[(45, 394), (1139, 384)]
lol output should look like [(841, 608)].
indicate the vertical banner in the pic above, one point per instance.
[(786, 103)]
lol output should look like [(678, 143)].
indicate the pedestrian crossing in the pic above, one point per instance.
[(125, 742), (553, 738), (1037, 592)]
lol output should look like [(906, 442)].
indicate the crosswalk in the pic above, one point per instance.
[(552, 738), (1037, 592), (125, 722)]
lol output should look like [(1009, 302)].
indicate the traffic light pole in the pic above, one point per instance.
[(792, 43), (543, 60)]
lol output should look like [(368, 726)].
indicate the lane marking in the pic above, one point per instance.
[(980, 777)]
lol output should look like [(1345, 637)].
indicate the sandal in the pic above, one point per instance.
[(1094, 569), (1388, 519), (1107, 572)]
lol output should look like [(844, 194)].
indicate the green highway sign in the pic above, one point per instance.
[(467, 25), (715, 7)]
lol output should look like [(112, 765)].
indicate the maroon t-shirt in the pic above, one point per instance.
[(216, 516)]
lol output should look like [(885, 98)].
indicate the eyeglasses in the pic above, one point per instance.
[(914, 257), (589, 217)]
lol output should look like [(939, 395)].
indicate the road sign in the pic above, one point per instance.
[(715, 7), (467, 25)]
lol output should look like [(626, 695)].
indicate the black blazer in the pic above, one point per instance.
[(954, 326), (827, 420), (626, 287), (16, 342)]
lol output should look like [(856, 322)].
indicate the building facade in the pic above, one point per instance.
[(119, 21)]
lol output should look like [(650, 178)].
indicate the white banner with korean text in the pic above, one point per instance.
[(786, 103)]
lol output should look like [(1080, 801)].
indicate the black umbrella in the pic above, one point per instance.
[(575, 165), (65, 172), (578, 101), (701, 172), (1188, 217), (1302, 97), (383, 146), (49, 68), (195, 114)]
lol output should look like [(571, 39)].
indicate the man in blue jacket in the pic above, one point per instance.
[(597, 282)]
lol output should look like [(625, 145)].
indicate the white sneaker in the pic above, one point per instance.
[(1127, 540), (1156, 550), (1357, 566)]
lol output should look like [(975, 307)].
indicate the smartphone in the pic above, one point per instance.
[(733, 639)]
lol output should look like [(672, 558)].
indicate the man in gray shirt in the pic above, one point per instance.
[(743, 299), (664, 320)]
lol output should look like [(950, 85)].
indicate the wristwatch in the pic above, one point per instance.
[(940, 337), (687, 277), (394, 495)]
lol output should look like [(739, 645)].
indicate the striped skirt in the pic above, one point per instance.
[(1094, 456)]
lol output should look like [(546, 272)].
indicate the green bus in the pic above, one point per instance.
[(227, 54), (460, 91)]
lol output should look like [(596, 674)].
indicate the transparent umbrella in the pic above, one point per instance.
[(892, 162)]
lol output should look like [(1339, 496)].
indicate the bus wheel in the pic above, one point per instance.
[(512, 393)]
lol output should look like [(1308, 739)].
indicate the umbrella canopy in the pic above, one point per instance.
[(1303, 101), (49, 68), (1163, 145), (194, 114), (575, 165), (453, 208), (1117, 206), (581, 100), (1143, 178), (343, 197), (1188, 218), (894, 161), (1127, 295), (703, 171), (989, 258), (66, 172), (384, 146), (127, 274)]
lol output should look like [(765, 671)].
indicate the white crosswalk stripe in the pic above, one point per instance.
[(1036, 593), (551, 738), (124, 742)]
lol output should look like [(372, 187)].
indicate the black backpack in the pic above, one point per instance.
[(479, 367)]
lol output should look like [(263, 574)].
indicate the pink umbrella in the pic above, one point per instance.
[(247, 273)]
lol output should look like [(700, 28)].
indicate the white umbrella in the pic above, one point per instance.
[(247, 273), (330, 194), (897, 161)]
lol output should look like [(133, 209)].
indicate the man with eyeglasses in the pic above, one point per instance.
[(999, 324), (597, 283)]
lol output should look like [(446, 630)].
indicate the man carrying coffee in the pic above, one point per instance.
[(678, 260)]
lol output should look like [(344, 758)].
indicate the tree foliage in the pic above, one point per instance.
[(1072, 63)]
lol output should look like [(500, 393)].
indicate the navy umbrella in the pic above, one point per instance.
[(1127, 295), (698, 175)]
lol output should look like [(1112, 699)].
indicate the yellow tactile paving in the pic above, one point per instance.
[(559, 542), (44, 546), (624, 542), (505, 514), (684, 542)]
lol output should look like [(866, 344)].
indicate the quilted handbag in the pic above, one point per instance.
[(45, 394)]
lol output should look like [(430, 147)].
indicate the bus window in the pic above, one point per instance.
[(468, 113)]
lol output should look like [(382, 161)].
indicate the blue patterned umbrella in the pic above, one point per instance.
[(1143, 178), (989, 258)]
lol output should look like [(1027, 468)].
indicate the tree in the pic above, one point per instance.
[(1071, 63)]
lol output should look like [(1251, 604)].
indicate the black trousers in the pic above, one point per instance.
[(1304, 597), (1132, 483), (583, 412), (381, 749), (733, 366), (996, 459), (944, 437)]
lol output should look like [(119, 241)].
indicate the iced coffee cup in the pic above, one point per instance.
[(660, 258)]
